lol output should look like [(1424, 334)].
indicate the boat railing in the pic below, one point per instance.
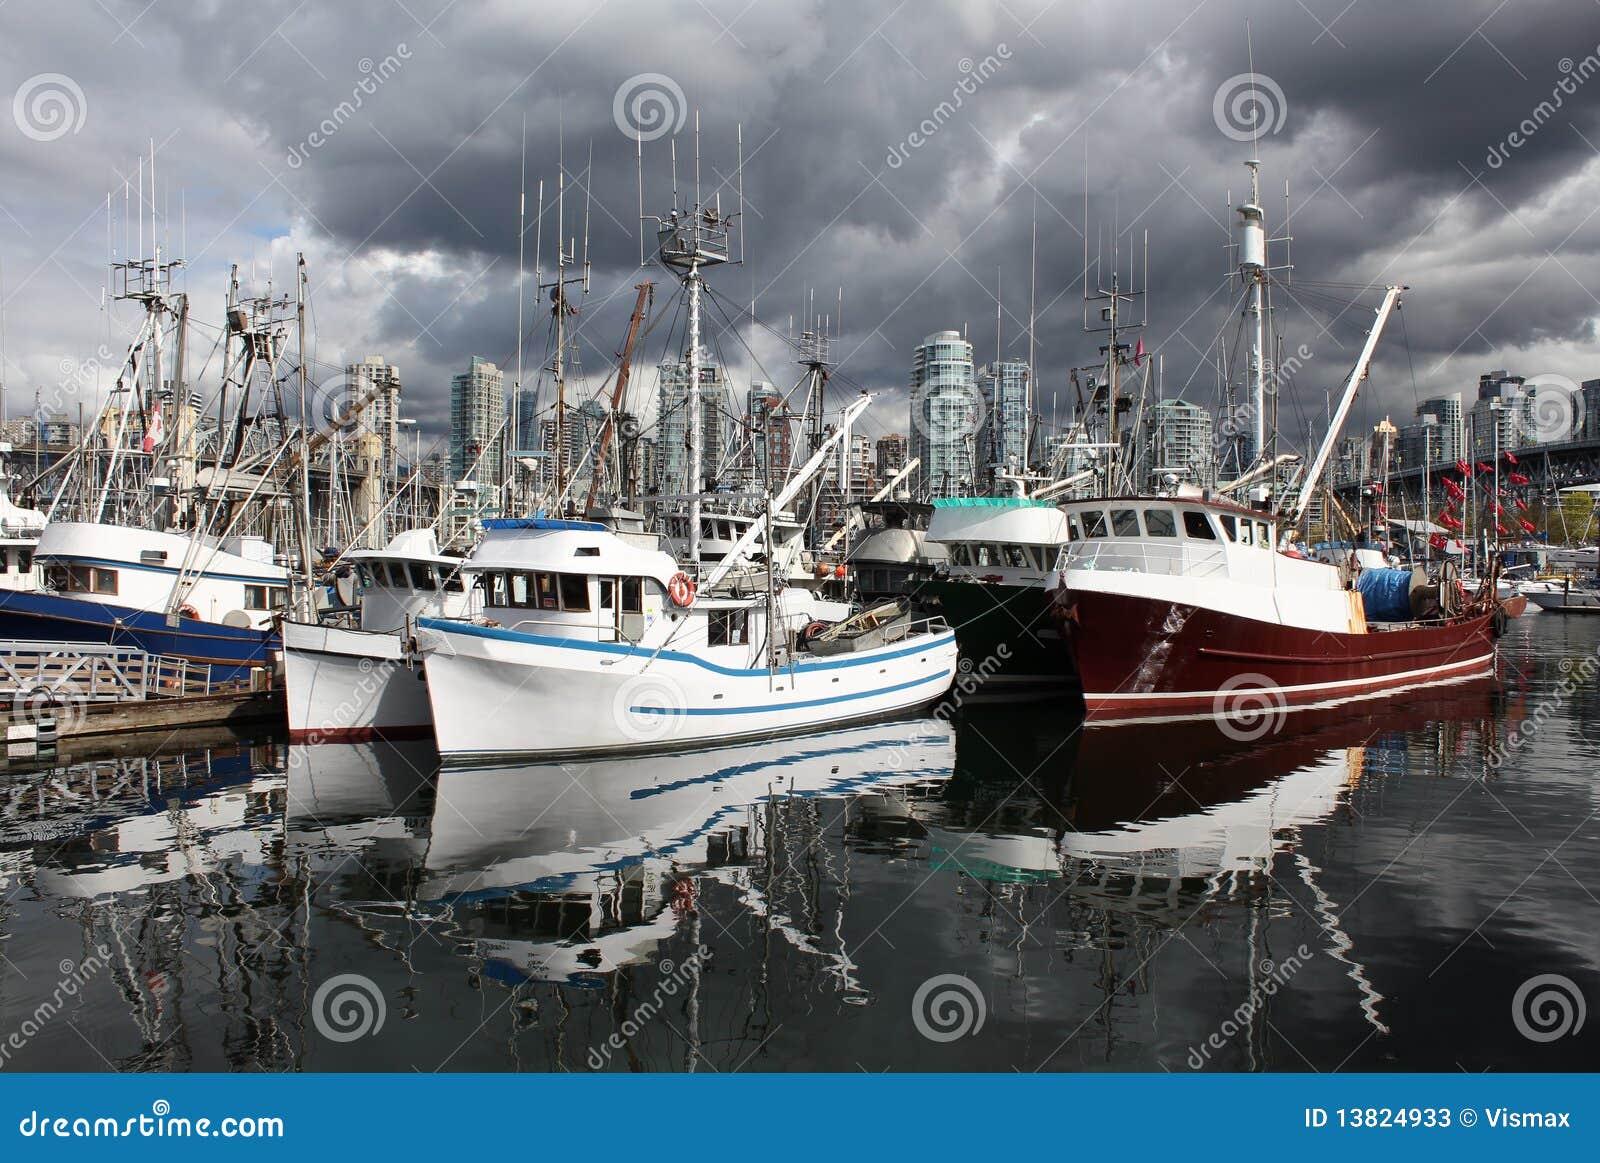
[(1172, 558), (79, 672)]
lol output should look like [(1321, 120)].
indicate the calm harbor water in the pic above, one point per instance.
[(1363, 888)]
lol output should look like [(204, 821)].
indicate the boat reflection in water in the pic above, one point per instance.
[(523, 917), (569, 870)]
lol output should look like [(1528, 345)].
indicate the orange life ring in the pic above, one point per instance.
[(681, 590), (189, 612)]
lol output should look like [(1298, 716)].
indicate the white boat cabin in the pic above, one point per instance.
[(578, 580), (1012, 540), (1204, 552), (410, 579), (233, 582)]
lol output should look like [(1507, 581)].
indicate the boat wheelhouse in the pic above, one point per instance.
[(1000, 554), (892, 557), (587, 643), (351, 683), (199, 598)]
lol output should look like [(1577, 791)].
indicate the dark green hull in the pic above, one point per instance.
[(1008, 634)]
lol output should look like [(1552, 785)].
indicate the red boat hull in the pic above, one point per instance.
[(1139, 658)]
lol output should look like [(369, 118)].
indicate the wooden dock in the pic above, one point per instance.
[(50, 691)]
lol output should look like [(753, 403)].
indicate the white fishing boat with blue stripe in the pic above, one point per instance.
[(591, 644)]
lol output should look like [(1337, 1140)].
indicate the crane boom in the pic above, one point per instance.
[(624, 370)]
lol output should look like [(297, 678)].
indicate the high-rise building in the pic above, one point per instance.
[(1496, 423), (1590, 428), (947, 415), (575, 462), (1179, 449), (477, 411), (1004, 387), (1448, 442), (772, 434), (672, 423), (1351, 460), (891, 456), (380, 379)]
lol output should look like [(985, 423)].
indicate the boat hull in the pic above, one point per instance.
[(351, 686), (44, 617), (500, 693), (1006, 632), (1141, 657)]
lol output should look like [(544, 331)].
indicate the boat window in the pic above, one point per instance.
[(708, 529), (104, 581), (726, 627), (1160, 523), (1125, 522), (421, 576), (608, 593), (574, 592), (24, 560), (264, 597), (586, 551), (1196, 525), (450, 579), (545, 592), (632, 595), (1246, 534), (1094, 523), (494, 588), (957, 553), (1229, 526), (519, 589), (1263, 535), (1074, 528), (1017, 557)]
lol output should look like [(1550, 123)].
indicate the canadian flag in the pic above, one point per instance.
[(155, 430)]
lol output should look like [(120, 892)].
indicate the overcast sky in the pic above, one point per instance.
[(1381, 116)]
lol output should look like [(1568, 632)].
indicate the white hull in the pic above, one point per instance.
[(351, 685), (499, 693)]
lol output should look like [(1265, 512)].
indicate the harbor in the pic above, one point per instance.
[(1109, 909), (646, 609)]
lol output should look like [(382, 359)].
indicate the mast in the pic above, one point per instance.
[(305, 453), (689, 241), (1252, 237)]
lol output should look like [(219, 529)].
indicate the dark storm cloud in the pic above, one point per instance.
[(901, 153)]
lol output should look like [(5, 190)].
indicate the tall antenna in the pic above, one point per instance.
[(522, 272)]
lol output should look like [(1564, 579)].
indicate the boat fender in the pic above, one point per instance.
[(681, 590), (1497, 624)]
